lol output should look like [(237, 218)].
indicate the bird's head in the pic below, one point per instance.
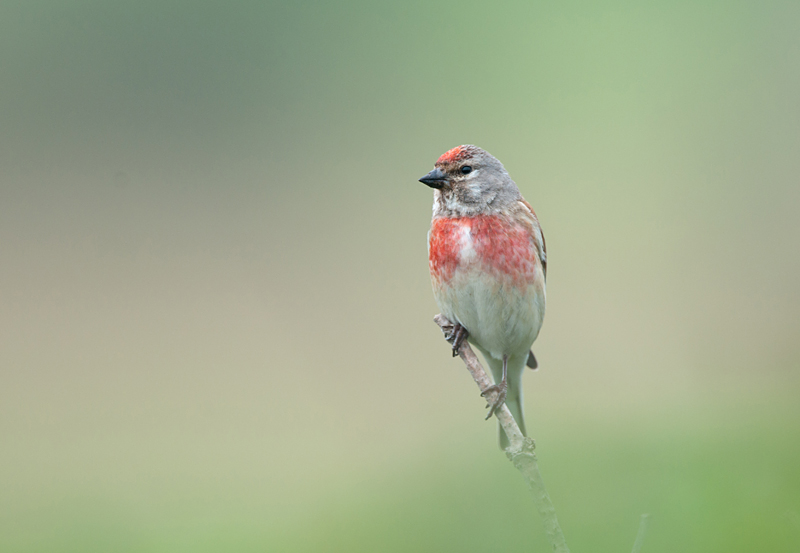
[(469, 180)]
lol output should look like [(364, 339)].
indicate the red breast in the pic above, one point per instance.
[(489, 243)]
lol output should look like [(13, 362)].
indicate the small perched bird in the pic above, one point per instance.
[(488, 263)]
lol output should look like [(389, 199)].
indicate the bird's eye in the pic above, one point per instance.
[(466, 169)]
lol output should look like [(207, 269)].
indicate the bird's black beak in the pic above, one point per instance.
[(434, 179)]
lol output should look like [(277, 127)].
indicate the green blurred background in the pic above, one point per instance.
[(216, 326)]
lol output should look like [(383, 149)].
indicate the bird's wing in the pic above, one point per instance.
[(541, 249), (536, 234)]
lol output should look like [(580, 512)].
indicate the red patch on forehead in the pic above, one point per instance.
[(456, 154)]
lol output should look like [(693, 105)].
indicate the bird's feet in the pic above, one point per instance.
[(500, 399), (457, 337)]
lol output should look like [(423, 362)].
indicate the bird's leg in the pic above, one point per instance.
[(501, 388), (457, 337)]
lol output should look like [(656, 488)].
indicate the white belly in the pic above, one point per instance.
[(502, 318)]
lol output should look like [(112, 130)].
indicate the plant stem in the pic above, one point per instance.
[(520, 450)]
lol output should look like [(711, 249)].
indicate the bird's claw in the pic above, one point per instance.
[(501, 390), (457, 337)]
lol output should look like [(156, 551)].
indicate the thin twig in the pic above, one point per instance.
[(483, 381), (521, 449)]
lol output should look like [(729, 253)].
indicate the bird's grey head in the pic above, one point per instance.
[(468, 180)]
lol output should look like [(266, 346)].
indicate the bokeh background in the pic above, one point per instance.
[(216, 322)]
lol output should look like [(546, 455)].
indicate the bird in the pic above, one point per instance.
[(488, 264)]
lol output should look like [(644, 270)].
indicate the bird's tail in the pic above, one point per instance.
[(514, 404), (513, 395)]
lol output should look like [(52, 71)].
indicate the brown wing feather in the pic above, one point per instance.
[(541, 248)]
